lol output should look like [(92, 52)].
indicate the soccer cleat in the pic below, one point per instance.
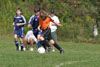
[(61, 51), (31, 49)]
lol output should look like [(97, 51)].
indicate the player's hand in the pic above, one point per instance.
[(53, 24), (13, 24), (39, 27), (18, 24), (29, 25), (60, 25)]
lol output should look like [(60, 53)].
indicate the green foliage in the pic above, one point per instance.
[(77, 16)]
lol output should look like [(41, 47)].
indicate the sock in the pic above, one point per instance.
[(45, 43), (57, 46), (16, 43), (22, 46), (39, 44)]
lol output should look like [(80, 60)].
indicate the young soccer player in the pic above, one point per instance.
[(19, 22), (29, 38), (53, 27), (34, 22), (44, 24)]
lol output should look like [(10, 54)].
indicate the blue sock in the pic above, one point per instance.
[(39, 44), (22, 46), (16, 43)]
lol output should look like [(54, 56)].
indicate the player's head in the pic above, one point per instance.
[(43, 14), (52, 12), (18, 11), (37, 10)]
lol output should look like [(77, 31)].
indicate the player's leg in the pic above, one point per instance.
[(54, 37), (22, 44), (25, 43), (57, 46), (31, 44), (38, 41), (16, 41), (21, 35)]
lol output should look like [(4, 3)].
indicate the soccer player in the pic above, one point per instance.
[(44, 24), (53, 27), (29, 38), (19, 22), (34, 22)]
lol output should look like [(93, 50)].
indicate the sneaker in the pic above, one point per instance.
[(19, 48), (53, 50), (31, 49), (24, 49), (61, 51)]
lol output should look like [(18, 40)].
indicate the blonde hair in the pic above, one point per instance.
[(43, 14)]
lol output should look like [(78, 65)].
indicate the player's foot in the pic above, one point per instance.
[(49, 48), (31, 49), (17, 48), (53, 50), (61, 51), (24, 49)]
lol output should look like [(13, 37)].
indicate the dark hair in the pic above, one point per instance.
[(19, 10), (36, 9), (43, 14)]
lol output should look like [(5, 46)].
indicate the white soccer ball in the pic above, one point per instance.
[(41, 50)]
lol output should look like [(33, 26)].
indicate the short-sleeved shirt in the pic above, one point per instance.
[(34, 21), (54, 27), (45, 23), (19, 19)]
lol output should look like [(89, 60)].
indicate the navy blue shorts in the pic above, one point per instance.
[(19, 32)]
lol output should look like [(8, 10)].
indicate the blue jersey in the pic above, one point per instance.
[(19, 30), (19, 19), (34, 21)]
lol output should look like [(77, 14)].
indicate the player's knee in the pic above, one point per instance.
[(25, 39), (15, 37), (52, 41), (41, 38), (21, 40)]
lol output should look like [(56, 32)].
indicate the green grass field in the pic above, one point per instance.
[(76, 55)]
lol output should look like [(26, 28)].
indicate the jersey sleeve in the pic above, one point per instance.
[(57, 20), (31, 20), (24, 19)]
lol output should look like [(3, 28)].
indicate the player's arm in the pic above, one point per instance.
[(19, 24), (39, 27), (30, 21), (40, 23), (13, 21), (57, 23)]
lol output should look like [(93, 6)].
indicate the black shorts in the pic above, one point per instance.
[(47, 34)]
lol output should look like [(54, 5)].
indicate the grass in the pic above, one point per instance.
[(76, 55)]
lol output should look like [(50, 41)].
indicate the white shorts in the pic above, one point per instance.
[(33, 37)]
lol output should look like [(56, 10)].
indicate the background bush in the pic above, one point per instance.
[(77, 16)]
